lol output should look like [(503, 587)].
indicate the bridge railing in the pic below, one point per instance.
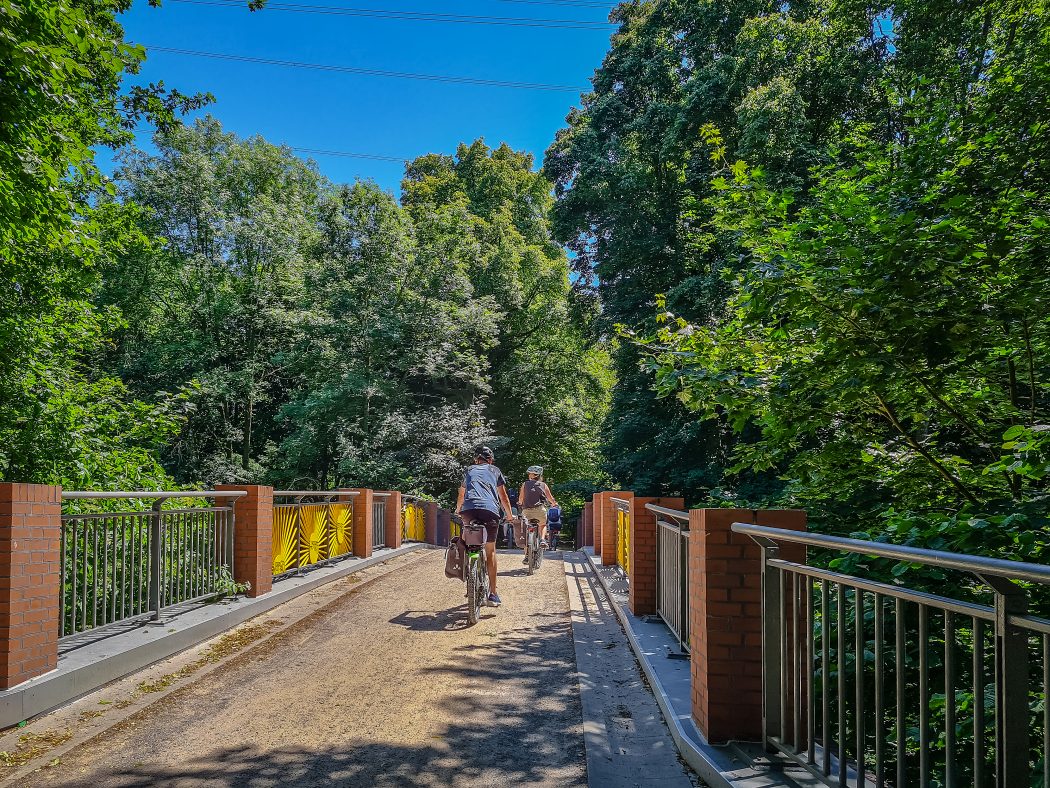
[(672, 570), (311, 528), (622, 507), (379, 503), (866, 682), (413, 520), (121, 561)]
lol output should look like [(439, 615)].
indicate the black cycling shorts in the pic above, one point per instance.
[(483, 517)]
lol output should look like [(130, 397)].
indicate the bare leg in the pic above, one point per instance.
[(490, 559)]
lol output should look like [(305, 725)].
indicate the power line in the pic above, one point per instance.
[(372, 72), (414, 16), (566, 3), (343, 154), (348, 155)]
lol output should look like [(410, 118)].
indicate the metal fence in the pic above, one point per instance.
[(131, 563), (413, 521), (311, 529), (897, 686), (623, 534), (379, 519), (672, 570)]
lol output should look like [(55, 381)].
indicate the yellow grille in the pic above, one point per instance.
[(285, 538), (305, 534), (623, 539), (340, 539), (413, 523)]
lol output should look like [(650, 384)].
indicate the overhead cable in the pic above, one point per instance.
[(343, 154), (412, 16), (371, 72)]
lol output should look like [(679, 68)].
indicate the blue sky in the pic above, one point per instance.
[(374, 115)]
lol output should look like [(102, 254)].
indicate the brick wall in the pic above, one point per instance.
[(362, 522), (430, 521), (253, 537), (725, 588), (642, 596), (30, 580), (586, 536), (605, 516), (393, 520)]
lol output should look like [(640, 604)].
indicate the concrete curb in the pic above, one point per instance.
[(692, 755), (85, 671)]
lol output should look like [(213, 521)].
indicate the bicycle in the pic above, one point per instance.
[(533, 548), (476, 569)]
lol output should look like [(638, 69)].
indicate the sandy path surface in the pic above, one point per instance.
[(383, 687)]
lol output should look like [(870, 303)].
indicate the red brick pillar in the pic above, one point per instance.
[(30, 580), (725, 618), (393, 520), (430, 521), (642, 595), (605, 513), (362, 531), (586, 537), (444, 527), (252, 537)]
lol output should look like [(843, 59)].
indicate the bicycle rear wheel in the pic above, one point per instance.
[(474, 590)]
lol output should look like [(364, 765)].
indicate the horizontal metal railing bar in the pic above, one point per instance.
[(140, 513), (1031, 623), (82, 496), (997, 567), (381, 495), (678, 527), (620, 501), (875, 587), (677, 514), (317, 492)]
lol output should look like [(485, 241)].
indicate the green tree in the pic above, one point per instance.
[(888, 335), (217, 306), (484, 213), (61, 66)]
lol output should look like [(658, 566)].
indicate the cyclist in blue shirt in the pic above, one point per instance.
[(482, 499), (554, 524)]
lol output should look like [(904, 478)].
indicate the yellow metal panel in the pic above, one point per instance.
[(340, 539), (313, 545), (623, 539), (417, 529), (285, 538)]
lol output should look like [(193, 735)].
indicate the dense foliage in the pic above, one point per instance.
[(219, 311), (844, 206)]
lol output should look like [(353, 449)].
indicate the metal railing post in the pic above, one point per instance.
[(231, 524), (156, 553), (683, 587), (1012, 721), (772, 642)]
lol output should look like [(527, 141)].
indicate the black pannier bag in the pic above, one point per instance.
[(456, 560)]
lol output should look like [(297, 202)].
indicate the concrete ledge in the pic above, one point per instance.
[(722, 767), (84, 669)]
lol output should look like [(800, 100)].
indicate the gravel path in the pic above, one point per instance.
[(383, 687)]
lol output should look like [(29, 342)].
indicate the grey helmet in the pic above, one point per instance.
[(537, 469)]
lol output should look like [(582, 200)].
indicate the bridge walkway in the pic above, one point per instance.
[(383, 684)]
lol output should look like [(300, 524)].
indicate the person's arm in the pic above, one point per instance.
[(459, 498), (504, 501), (549, 494), (521, 496)]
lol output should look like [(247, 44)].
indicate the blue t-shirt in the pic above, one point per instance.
[(482, 483)]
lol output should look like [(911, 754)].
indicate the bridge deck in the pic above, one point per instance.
[(383, 684)]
